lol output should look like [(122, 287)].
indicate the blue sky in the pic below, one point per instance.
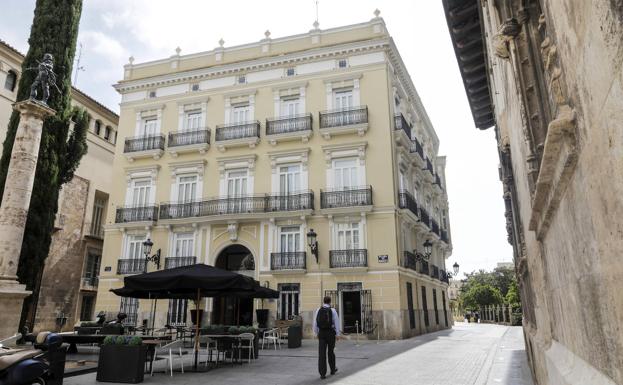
[(113, 30)]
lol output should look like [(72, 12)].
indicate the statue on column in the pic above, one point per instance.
[(45, 77)]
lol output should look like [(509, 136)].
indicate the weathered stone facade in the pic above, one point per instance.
[(548, 75)]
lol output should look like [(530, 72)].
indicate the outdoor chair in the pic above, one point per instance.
[(211, 346), (248, 338), (272, 335), (168, 352)]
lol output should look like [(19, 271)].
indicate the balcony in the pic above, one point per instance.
[(171, 262), (424, 217), (352, 120), (131, 266), (303, 200), (435, 227), (406, 201), (89, 283), (424, 268), (144, 147), (189, 141), (416, 148), (429, 168), (288, 260), (409, 261), (346, 197), (434, 272), (136, 214), (444, 236), (237, 134), (443, 276), (289, 128), (400, 123), (348, 258), (94, 230)]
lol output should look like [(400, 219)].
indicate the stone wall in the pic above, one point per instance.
[(60, 286)]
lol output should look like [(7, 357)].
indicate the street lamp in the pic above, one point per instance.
[(455, 267), (147, 245), (428, 250), (313, 243)]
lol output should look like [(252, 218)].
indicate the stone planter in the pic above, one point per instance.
[(121, 363)]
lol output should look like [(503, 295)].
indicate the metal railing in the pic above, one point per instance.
[(94, 230), (171, 262), (288, 260), (186, 138), (131, 266), (438, 181), (444, 236), (429, 166), (434, 271), (443, 276), (435, 227), (407, 201), (344, 117), (144, 143), (289, 124), (238, 205), (424, 268), (348, 258), (424, 217), (90, 283), (238, 131), (136, 214), (400, 123), (409, 261), (346, 197), (416, 147)]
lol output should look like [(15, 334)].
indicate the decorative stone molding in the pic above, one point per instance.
[(345, 150), (232, 162), (196, 167), (292, 156), (232, 230), (141, 172)]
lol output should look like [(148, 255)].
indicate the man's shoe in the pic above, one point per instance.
[(323, 377), (334, 371)]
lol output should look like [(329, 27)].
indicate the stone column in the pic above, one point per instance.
[(14, 209)]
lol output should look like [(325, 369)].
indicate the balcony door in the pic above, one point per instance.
[(346, 174), (236, 190), (347, 236), (290, 107), (241, 114), (343, 99), (134, 248), (186, 188), (192, 121), (289, 184), (141, 192), (184, 245), (149, 127), (290, 239)]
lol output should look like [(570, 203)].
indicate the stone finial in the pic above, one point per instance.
[(131, 60), (221, 42), (377, 13), (316, 24), (178, 50), (267, 34)]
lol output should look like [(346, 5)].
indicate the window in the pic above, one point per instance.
[(288, 300), (141, 192), (177, 312), (10, 81), (152, 94), (129, 306), (192, 120), (236, 183), (241, 113), (98, 216), (401, 181), (290, 106), (107, 131), (134, 249), (410, 305), (92, 268), (242, 79), (290, 239), (289, 179), (346, 173), (184, 245), (342, 63), (98, 127), (347, 236), (435, 306), (149, 127), (425, 307), (342, 99), (186, 188), (195, 87), (86, 307), (290, 72)]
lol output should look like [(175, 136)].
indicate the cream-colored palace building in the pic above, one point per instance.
[(70, 278), (229, 157)]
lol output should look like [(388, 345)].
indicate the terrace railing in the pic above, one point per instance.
[(238, 131), (288, 260), (144, 143), (348, 258), (131, 266), (288, 124), (171, 262), (346, 197), (344, 117), (187, 138), (136, 214)]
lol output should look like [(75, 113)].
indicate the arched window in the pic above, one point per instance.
[(98, 127), (107, 131), (10, 81)]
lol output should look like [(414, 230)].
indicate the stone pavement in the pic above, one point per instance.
[(469, 354)]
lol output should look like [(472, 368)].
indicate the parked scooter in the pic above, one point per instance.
[(38, 364)]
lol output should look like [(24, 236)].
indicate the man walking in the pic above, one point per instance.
[(326, 327)]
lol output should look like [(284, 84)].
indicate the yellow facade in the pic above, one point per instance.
[(338, 120)]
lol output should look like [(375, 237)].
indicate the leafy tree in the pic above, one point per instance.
[(512, 297), (481, 295), (54, 30)]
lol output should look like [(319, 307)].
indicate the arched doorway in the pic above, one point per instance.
[(229, 310)]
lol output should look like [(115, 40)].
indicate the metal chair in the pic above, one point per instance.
[(166, 352), (211, 346), (272, 335), (250, 338)]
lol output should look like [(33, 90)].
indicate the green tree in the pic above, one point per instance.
[(54, 30), (481, 295), (512, 297)]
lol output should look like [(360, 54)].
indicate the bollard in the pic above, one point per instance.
[(357, 331)]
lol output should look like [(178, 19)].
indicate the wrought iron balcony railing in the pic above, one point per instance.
[(400, 123), (346, 197), (348, 258), (238, 205), (187, 138), (438, 180), (407, 201), (136, 214), (171, 262), (435, 227), (238, 131), (444, 235), (416, 147), (434, 271), (288, 260), (131, 266), (144, 143), (409, 261), (424, 267), (443, 276), (344, 117), (429, 166), (288, 124), (424, 217)]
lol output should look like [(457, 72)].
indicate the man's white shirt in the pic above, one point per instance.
[(336, 320)]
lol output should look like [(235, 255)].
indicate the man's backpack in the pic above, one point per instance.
[(324, 318)]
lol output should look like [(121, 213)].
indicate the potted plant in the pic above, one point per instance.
[(122, 359)]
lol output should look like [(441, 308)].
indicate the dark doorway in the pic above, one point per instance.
[(230, 310), (351, 308)]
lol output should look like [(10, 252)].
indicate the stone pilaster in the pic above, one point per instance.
[(14, 209)]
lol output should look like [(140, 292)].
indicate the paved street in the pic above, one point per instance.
[(466, 355)]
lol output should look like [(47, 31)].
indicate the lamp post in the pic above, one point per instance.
[(313, 243), (147, 245), (428, 250), (455, 268)]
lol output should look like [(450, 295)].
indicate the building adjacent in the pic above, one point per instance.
[(547, 76), (70, 277), (230, 157)]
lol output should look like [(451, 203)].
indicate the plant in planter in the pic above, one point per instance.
[(121, 359)]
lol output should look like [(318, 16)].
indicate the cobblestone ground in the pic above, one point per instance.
[(469, 354)]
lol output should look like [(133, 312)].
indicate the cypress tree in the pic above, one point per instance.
[(63, 143)]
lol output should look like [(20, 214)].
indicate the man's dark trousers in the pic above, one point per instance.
[(326, 341)]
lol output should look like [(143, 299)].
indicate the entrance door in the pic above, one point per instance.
[(351, 310), (230, 310)]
